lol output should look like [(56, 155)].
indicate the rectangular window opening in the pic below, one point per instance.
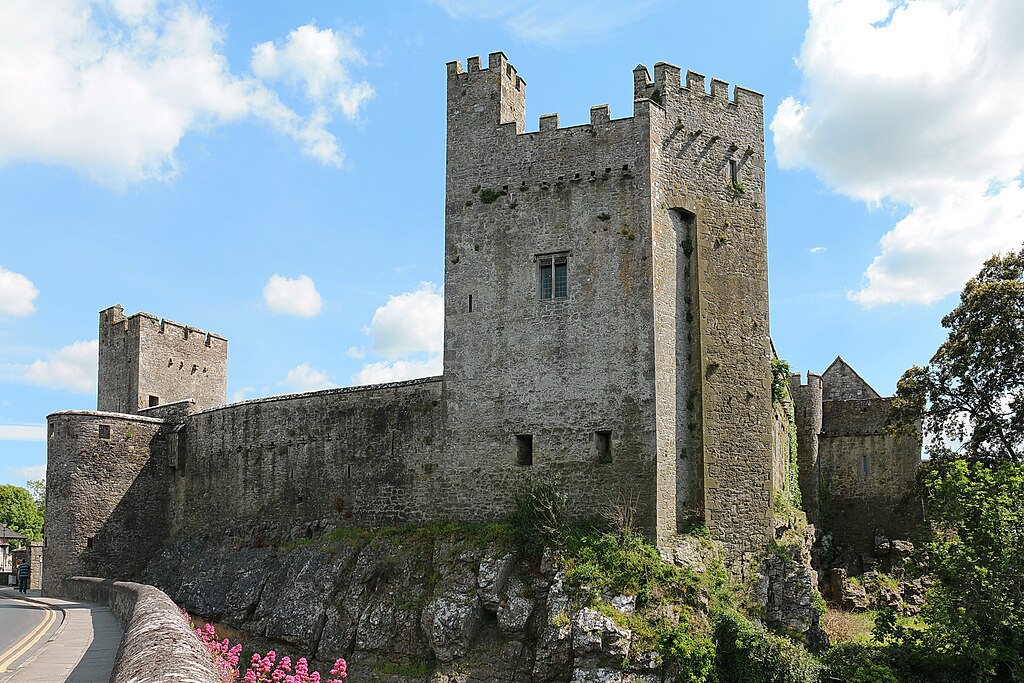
[(50, 428), (864, 466), (104, 431), (154, 401), (553, 274), (470, 303), (88, 542), (524, 449), (734, 171), (603, 446)]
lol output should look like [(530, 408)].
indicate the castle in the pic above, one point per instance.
[(606, 329)]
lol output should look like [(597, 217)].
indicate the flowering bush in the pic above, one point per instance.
[(262, 669)]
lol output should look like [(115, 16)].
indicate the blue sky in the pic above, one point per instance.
[(274, 172)]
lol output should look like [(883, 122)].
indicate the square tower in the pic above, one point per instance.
[(606, 302), (146, 362)]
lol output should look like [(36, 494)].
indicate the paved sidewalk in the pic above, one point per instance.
[(82, 650)]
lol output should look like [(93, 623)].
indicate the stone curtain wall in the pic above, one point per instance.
[(856, 501), (107, 498), (723, 259), (157, 644), (291, 466), (557, 370), (781, 429)]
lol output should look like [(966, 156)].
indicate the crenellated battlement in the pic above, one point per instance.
[(147, 321), (668, 88), (497, 63)]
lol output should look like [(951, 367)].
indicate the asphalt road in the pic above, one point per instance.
[(23, 627)]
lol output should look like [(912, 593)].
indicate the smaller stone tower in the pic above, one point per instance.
[(146, 362), (807, 413)]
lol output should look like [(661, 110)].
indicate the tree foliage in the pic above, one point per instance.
[(19, 511), (970, 397), (969, 400), (37, 488)]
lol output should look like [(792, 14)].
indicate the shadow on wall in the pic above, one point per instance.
[(133, 532)]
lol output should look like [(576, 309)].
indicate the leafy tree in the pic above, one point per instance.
[(977, 554), (19, 512), (969, 400), (37, 488), (970, 397)]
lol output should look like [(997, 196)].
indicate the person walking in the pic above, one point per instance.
[(24, 569)]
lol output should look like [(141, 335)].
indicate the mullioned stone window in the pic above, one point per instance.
[(553, 275)]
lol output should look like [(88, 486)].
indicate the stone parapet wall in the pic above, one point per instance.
[(157, 644)]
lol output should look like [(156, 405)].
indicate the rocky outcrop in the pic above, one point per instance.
[(401, 609), (788, 585), (443, 607)]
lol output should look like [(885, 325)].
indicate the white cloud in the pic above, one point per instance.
[(28, 472), (818, 250), (110, 89), (915, 103), (553, 22), (241, 394), (72, 367), (408, 330), (316, 59), (292, 296), (17, 293), (410, 322), (23, 433), (303, 378), (396, 371)]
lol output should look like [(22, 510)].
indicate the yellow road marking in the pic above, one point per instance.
[(17, 650)]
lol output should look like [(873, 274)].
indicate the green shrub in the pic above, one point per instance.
[(693, 654), (748, 654), (857, 663)]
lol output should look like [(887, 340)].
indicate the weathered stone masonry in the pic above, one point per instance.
[(606, 328), (855, 477)]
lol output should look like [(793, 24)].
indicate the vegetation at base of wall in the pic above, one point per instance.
[(971, 627), (746, 653)]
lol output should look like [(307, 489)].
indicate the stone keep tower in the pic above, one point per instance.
[(606, 300), (146, 362)]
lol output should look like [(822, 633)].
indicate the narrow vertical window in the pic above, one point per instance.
[(524, 449), (864, 466), (88, 542), (51, 428), (545, 278), (470, 303), (734, 171), (561, 278), (553, 276), (603, 446)]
